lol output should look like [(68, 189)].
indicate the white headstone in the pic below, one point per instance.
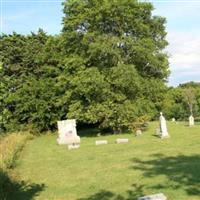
[(138, 132), (191, 120), (173, 119), (163, 127), (159, 196), (99, 142), (122, 140), (67, 132)]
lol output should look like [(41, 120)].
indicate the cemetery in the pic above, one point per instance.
[(145, 165), (108, 108)]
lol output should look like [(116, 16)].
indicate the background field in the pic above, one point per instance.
[(145, 165)]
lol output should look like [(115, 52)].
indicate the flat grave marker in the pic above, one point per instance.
[(122, 140), (159, 196), (100, 142)]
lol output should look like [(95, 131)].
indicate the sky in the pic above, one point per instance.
[(183, 28)]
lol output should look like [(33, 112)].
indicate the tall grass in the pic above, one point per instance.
[(10, 147)]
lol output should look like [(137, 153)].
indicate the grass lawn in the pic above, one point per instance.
[(145, 165)]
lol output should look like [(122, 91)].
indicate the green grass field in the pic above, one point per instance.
[(145, 165)]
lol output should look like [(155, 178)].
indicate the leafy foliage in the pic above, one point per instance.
[(107, 67), (182, 101), (121, 47)]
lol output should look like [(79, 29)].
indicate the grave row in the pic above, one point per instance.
[(68, 134), (118, 141)]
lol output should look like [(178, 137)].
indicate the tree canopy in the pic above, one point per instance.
[(108, 67)]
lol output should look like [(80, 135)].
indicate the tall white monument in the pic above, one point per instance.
[(68, 134), (163, 127), (191, 120)]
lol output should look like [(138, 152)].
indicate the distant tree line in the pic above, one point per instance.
[(108, 67), (183, 101)]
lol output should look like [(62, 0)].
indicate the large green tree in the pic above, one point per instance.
[(123, 65)]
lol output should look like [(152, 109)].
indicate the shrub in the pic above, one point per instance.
[(141, 123)]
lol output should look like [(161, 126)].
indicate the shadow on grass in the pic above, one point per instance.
[(156, 135), (93, 132), (132, 194), (181, 171), (89, 132), (13, 190)]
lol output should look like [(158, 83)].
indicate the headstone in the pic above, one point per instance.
[(138, 132), (99, 142), (191, 120), (163, 127), (173, 119), (67, 132), (159, 196), (157, 131), (121, 140)]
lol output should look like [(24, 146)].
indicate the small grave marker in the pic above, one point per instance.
[(100, 142), (122, 140), (191, 121), (159, 196), (73, 146), (138, 132)]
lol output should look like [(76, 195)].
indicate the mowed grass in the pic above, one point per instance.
[(145, 165)]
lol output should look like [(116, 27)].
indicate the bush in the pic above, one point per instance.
[(141, 123)]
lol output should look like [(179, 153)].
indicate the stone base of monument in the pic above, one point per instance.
[(121, 140), (73, 146), (99, 142), (159, 196), (72, 140), (163, 137)]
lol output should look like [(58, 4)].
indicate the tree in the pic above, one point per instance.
[(173, 105), (181, 100), (189, 95), (21, 70), (120, 45)]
